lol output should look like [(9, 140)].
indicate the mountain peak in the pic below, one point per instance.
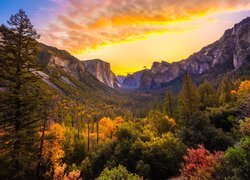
[(226, 55), (102, 71)]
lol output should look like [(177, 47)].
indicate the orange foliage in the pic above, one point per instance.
[(243, 95), (118, 121), (244, 86), (52, 148), (233, 92), (59, 172), (107, 127), (244, 89), (171, 121), (61, 175)]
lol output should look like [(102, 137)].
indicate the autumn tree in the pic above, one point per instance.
[(60, 174), (53, 152), (21, 100), (200, 163), (243, 95), (189, 99), (107, 127)]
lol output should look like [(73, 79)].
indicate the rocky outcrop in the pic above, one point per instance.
[(54, 59), (101, 70), (74, 68), (65, 68), (223, 56), (133, 81), (242, 49)]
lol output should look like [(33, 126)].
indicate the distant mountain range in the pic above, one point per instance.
[(229, 55)]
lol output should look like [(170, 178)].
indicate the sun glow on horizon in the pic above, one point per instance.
[(131, 34), (184, 39)]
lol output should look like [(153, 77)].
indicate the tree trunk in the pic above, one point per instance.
[(17, 141), (16, 154), (41, 150)]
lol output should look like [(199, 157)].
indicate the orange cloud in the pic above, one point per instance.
[(85, 24)]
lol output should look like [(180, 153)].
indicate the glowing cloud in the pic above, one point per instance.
[(88, 24)]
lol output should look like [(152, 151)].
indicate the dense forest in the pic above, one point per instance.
[(200, 132)]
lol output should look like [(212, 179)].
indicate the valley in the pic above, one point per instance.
[(64, 118)]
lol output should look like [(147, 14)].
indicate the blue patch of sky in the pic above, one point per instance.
[(31, 7)]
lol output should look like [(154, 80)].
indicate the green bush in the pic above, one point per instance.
[(118, 173)]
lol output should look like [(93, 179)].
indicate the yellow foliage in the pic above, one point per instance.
[(52, 148), (244, 86), (119, 121), (243, 95), (107, 127)]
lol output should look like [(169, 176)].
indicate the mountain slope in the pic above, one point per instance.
[(63, 71), (101, 70), (227, 55)]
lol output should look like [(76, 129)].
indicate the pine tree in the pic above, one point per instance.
[(208, 95), (225, 91), (169, 104), (21, 99), (188, 99)]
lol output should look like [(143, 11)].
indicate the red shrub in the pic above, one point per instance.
[(200, 163)]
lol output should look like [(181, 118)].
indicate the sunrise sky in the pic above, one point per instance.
[(130, 34)]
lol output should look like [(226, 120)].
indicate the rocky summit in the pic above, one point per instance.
[(226, 55), (101, 70)]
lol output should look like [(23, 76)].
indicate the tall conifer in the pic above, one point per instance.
[(169, 104), (21, 98), (189, 99)]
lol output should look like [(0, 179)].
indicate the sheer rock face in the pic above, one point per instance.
[(63, 66), (223, 56), (85, 71), (242, 49), (88, 72), (101, 70)]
